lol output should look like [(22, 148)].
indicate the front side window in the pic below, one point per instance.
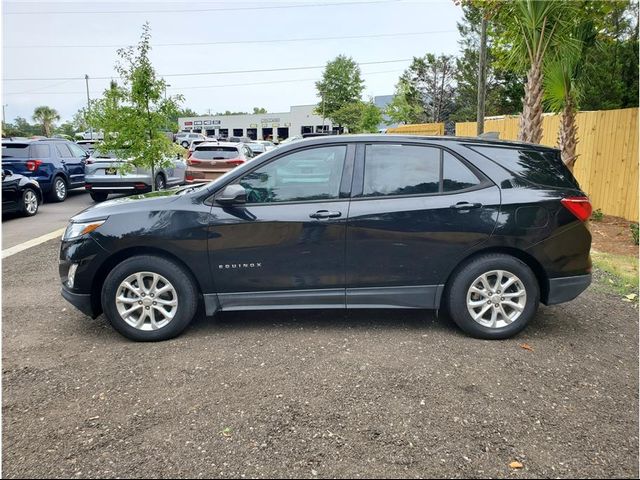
[(307, 175), (392, 169), (63, 150), (77, 151)]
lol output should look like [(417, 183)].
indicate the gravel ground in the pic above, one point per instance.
[(370, 394)]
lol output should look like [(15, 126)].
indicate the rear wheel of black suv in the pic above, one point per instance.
[(58, 191), (493, 296), (149, 298), (98, 196)]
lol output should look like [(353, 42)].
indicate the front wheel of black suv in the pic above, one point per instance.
[(58, 190), (493, 296), (149, 298)]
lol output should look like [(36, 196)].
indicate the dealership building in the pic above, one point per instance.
[(300, 119)]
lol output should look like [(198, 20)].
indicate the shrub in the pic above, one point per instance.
[(634, 232), (597, 215)]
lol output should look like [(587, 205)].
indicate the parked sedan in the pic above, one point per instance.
[(105, 174), (20, 194), (210, 160)]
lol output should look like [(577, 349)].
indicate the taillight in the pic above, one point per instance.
[(579, 206), (139, 186), (193, 161), (32, 165), (189, 178), (235, 162)]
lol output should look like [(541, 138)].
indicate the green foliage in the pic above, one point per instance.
[(79, 120), (259, 110), (134, 115), (67, 128), (597, 215), (340, 86), (405, 107), (432, 77), (350, 116), (370, 118), (229, 112), (46, 116), (20, 128), (634, 232)]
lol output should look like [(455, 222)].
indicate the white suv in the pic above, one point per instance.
[(185, 139)]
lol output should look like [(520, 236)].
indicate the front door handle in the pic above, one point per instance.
[(465, 206), (325, 214)]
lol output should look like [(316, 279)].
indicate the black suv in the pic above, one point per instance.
[(484, 229), (56, 164)]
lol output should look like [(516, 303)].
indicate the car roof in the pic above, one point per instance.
[(443, 140)]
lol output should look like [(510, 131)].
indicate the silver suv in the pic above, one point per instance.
[(104, 175), (185, 139)]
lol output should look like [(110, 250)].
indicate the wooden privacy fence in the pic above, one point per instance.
[(607, 166), (419, 129)]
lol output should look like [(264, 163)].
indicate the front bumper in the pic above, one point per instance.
[(82, 301), (565, 289)]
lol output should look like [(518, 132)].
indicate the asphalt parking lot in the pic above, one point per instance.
[(370, 394)]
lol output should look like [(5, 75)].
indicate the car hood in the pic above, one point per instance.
[(136, 203)]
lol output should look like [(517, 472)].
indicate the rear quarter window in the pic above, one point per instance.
[(540, 167)]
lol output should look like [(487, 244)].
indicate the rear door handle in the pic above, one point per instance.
[(325, 214), (465, 206)]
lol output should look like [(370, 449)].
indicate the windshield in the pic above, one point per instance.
[(215, 153)]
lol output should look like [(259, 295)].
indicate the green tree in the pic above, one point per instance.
[(134, 115), (20, 128), (350, 116), (405, 107), (433, 77), (259, 110), (370, 118), (79, 120), (46, 117), (563, 85), (67, 128), (531, 33), (340, 86)]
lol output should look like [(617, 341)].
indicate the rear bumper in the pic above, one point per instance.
[(82, 301), (566, 288)]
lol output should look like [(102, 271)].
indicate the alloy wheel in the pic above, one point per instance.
[(496, 299), (146, 301), (30, 202)]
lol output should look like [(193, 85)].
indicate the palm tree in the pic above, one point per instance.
[(562, 89), (46, 116), (541, 28)]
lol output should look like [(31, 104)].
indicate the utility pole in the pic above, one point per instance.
[(165, 90), (482, 75), (86, 79)]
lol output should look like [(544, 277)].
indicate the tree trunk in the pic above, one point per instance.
[(482, 76), (531, 119), (567, 141)]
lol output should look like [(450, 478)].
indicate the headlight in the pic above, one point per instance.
[(75, 230)]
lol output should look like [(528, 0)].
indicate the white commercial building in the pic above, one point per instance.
[(263, 126)]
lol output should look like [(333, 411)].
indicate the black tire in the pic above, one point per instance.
[(461, 281), (185, 288), (160, 182), (185, 144), (99, 196), (27, 205), (58, 194)]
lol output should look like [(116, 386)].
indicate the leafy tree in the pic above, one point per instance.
[(532, 32), (228, 112), (20, 128), (47, 117), (405, 107), (67, 128), (350, 116), (79, 120), (341, 85), (259, 110), (370, 118), (433, 77), (133, 115)]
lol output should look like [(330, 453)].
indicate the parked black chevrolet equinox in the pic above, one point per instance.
[(484, 229)]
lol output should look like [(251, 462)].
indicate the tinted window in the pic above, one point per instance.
[(312, 174), (40, 151), (63, 150), (456, 175), (401, 170), (15, 150), (215, 153), (76, 150), (541, 167)]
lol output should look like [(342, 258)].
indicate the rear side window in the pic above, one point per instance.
[(215, 153), (456, 175), (15, 150), (540, 167), (63, 150), (401, 170)]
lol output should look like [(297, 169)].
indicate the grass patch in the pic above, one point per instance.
[(617, 273)]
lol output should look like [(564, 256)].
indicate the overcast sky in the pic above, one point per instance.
[(46, 43)]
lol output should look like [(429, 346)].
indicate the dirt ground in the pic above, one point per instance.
[(612, 235), (369, 394)]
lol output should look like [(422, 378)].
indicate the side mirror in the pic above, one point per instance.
[(6, 173), (232, 195)]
